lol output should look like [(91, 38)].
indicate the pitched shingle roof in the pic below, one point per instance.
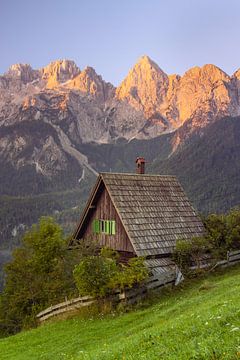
[(154, 211)]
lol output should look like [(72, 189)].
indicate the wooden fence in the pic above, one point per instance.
[(233, 257), (64, 307), (129, 296)]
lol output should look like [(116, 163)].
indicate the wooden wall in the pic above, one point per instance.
[(105, 210)]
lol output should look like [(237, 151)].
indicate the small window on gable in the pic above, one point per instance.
[(107, 227)]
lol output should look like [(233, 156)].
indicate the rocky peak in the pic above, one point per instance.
[(163, 102), (208, 73), (88, 81), (146, 63), (144, 87), (23, 72), (205, 92), (236, 75), (59, 71)]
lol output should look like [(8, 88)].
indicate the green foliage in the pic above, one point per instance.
[(132, 274), (197, 321), (224, 230), (85, 247), (222, 235), (216, 233), (233, 229), (101, 275), (182, 255), (18, 213), (200, 246), (187, 253), (93, 275), (40, 274), (109, 253)]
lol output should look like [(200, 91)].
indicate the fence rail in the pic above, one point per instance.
[(129, 296), (157, 281), (233, 256), (66, 306)]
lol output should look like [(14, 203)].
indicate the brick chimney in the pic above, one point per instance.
[(140, 169)]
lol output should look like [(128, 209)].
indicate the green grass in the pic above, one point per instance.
[(201, 320)]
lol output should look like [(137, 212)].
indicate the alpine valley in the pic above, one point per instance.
[(60, 126)]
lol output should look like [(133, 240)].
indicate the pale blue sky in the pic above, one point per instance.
[(111, 35)]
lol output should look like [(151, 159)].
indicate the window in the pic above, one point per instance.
[(104, 227)]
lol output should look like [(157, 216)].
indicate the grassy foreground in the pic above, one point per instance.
[(201, 320)]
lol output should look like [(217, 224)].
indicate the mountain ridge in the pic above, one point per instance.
[(80, 107), (164, 101), (60, 125)]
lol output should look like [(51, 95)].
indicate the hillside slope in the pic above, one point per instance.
[(207, 163), (208, 166), (201, 320), (59, 124)]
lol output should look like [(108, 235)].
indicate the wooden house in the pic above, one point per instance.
[(139, 215)]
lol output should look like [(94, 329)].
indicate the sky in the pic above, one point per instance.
[(112, 35)]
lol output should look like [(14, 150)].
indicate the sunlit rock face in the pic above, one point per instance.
[(236, 81), (207, 93), (145, 86), (58, 72), (89, 82), (22, 72), (147, 103)]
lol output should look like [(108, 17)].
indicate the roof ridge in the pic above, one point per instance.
[(135, 174)]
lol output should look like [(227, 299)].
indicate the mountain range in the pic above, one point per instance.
[(60, 126)]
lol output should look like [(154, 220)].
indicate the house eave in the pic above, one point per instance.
[(84, 214)]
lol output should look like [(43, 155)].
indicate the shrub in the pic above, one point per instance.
[(182, 255), (131, 275), (109, 253), (193, 252), (99, 276), (39, 274), (233, 229), (224, 230), (223, 234), (93, 275), (216, 235)]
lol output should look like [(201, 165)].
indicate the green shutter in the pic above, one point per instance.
[(106, 227), (113, 227), (96, 226)]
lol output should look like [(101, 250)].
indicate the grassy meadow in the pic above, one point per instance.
[(198, 320)]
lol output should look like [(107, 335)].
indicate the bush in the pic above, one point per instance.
[(182, 255), (191, 253), (233, 229), (40, 274), (93, 275), (99, 276), (216, 234), (222, 235), (224, 230), (131, 275)]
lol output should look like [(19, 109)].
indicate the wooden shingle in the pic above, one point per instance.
[(154, 209), (152, 212)]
